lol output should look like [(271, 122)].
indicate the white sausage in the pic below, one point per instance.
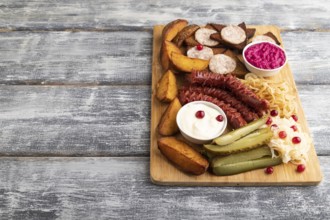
[(205, 54), (202, 35), (233, 34), (222, 64)]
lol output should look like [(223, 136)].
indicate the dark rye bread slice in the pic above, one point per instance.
[(240, 69), (191, 41), (218, 50), (250, 32), (271, 35), (217, 37)]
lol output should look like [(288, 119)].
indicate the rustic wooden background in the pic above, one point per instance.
[(75, 81)]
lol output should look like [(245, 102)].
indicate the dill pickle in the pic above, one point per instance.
[(240, 157), (244, 166), (251, 141), (240, 132)]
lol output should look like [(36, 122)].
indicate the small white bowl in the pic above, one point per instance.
[(259, 71), (198, 140)]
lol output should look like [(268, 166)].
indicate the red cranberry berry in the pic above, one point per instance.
[(269, 170), (296, 140), (274, 113), (301, 168), (200, 114), (269, 121), (282, 134), (294, 128), (274, 126), (295, 117), (219, 118), (199, 47)]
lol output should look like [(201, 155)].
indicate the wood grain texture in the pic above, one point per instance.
[(75, 57), (119, 188), (94, 121), (308, 57), (90, 121), (163, 172), (114, 58), (102, 14)]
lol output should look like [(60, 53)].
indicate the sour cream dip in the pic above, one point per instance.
[(201, 122)]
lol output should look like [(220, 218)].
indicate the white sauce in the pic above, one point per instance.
[(201, 128)]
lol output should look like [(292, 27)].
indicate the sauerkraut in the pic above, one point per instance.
[(289, 151)]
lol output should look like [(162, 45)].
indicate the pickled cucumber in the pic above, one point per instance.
[(244, 166), (251, 141), (240, 157), (240, 132)]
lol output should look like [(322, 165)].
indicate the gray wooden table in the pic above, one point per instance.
[(75, 81)]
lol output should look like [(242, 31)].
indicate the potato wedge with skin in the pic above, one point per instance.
[(167, 88), (165, 53), (182, 155), (167, 125), (187, 64), (173, 28), (185, 33)]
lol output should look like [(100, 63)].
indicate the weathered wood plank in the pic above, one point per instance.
[(120, 188), (111, 14), (316, 106), (75, 57), (105, 120), (308, 57), (41, 120), (124, 57)]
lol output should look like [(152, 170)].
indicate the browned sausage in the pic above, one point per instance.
[(233, 84), (228, 98), (235, 119)]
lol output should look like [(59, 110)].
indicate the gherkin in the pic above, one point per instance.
[(249, 142)]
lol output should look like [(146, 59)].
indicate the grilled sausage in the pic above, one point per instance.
[(235, 119), (228, 98), (232, 83)]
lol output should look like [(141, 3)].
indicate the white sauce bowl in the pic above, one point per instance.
[(184, 116)]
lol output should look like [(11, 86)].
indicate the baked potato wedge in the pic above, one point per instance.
[(187, 64), (165, 53), (173, 28), (182, 155), (167, 88), (185, 33), (167, 125)]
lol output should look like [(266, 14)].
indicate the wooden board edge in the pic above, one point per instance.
[(158, 180), (231, 184), (153, 99)]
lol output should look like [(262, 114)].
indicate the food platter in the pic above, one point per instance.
[(165, 173)]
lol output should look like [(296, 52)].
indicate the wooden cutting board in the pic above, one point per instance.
[(164, 173)]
